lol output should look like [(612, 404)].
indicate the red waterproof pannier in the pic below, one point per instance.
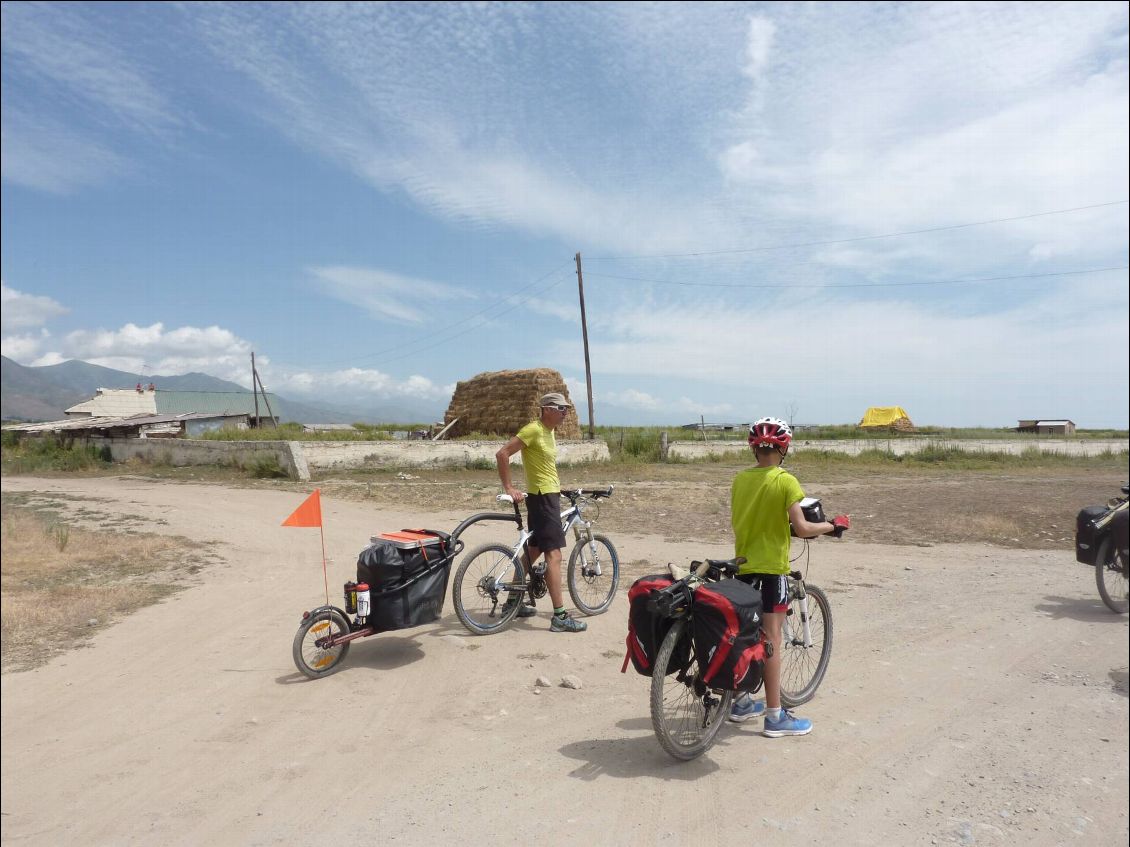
[(645, 630), (727, 635)]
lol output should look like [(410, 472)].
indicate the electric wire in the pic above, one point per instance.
[(830, 242), (400, 347), (855, 284)]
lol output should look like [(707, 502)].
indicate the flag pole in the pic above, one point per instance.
[(325, 573)]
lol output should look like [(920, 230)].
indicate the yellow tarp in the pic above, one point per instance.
[(885, 416)]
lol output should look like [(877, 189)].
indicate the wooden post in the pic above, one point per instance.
[(702, 422), (663, 446), (255, 389), (585, 336)]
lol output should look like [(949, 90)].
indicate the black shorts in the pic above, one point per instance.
[(774, 590), (544, 511)]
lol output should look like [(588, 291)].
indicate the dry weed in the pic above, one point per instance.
[(60, 583)]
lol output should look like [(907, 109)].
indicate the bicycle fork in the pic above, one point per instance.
[(590, 565), (805, 627)]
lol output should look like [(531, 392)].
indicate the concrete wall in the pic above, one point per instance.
[(299, 458), (326, 455), (690, 450)]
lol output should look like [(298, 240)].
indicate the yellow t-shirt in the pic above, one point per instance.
[(759, 512), (539, 458)]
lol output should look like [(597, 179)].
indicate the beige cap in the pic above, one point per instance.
[(554, 398)]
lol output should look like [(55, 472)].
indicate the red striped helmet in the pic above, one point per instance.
[(770, 432)]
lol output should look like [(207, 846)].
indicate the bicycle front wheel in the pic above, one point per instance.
[(685, 714), (1110, 577), (803, 664), (312, 660), (488, 588), (594, 574)]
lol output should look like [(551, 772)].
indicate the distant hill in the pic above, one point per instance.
[(44, 393)]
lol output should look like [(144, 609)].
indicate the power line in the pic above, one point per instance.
[(858, 238), (443, 341), (860, 284), (401, 347)]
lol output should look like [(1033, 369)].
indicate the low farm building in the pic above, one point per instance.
[(1059, 426)]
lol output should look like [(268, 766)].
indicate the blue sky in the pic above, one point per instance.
[(787, 209)]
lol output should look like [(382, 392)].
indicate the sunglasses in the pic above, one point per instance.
[(561, 409)]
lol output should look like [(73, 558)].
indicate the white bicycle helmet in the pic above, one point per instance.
[(771, 432)]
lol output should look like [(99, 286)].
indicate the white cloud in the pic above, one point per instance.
[(40, 153), (824, 354), (761, 31), (19, 310), (77, 53), (146, 350), (68, 59), (356, 383), (632, 399), (23, 348), (385, 295)]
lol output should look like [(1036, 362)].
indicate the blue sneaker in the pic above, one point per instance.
[(746, 708), (787, 724)]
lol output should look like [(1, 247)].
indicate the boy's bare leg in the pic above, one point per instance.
[(774, 621)]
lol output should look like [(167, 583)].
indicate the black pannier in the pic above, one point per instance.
[(727, 635), (646, 629), (1120, 532), (407, 575), (1087, 535)]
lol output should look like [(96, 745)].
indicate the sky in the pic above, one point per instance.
[(796, 210)]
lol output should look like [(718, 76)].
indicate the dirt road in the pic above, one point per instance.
[(976, 695)]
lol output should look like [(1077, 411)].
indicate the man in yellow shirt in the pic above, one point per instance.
[(538, 446), (764, 506)]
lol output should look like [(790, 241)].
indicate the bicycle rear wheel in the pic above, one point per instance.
[(803, 667), (685, 714), (483, 604), (1110, 577), (594, 574)]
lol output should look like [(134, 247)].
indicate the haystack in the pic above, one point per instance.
[(502, 402), (892, 417)]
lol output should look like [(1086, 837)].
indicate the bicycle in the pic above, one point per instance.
[(685, 714), (1110, 558), (491, 581)]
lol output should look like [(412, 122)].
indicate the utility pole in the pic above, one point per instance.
[(254, 388), (585, 335)]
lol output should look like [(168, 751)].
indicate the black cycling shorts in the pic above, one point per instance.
[(774, 590), (544, 511)]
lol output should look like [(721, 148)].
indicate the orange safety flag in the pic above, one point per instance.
[(309, 513)]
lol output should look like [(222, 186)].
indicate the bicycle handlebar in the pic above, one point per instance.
[(572, 494), (675, 599)]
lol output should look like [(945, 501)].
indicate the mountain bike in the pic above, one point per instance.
[(491, 580), (1100, 543)]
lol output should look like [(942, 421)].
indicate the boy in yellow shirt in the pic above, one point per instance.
[(764, 505)]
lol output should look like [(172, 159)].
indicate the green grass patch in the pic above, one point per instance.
[(50, 453), (295, 432)]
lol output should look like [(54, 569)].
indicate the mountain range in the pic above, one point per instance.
[(44, 393)]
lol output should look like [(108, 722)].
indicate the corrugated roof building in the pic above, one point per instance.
[(125, 402), (115, 403)]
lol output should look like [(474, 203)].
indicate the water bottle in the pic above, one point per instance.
[(362, 600)]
